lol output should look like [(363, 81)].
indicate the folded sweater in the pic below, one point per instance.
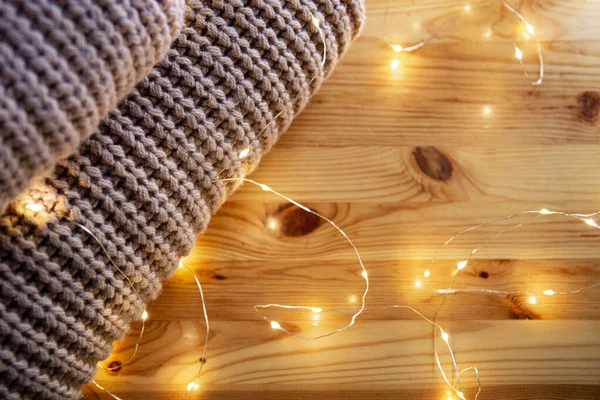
[(64, 65), (148, 179)]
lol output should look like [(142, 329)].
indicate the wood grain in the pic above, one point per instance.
[(402, 160)]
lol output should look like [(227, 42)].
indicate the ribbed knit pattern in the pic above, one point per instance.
[(146, 182), (64, 65)]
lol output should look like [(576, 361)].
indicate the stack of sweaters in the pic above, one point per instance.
[(122, 116)]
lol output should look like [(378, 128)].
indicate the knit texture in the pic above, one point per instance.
[(147, 181), (64, 65)]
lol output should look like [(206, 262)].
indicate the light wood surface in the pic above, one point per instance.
[(402, 160)]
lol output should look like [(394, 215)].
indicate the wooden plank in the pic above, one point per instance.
[(395, 355), (513, 392), (232, 288), (275, 231), (530, 175)]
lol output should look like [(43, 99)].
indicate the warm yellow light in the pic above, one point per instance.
[(364, 274), (545, 212), (352, 299), (518, 53), (180, 265), (549, 292), (272, 224), (486, 111), (488, 33), (316, 310), (461, 264), (426, 273), (530, 28), (265, 187), (244, 153), (461, 395), (395, 64), (192, 386), (315, 317), (532, 300), (418, 284), (445, 336), (275, 325), (144, 315), (590, 222), (467, 8), (397, 48), (36, 207)]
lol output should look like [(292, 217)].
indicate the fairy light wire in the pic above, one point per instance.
[(531, 31), (194, 383), (317, 23), (364, 273), (37, 207), (144, 313), (518, 53), (397, 47), (586, 218)]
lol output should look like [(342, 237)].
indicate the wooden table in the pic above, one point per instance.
[(402, 159)]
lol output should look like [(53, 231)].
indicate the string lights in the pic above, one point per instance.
[(453, 381), (317, 310), (313, 309), (588, 219), (398, 48), (193, 385)]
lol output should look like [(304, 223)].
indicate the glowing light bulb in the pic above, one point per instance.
[(486, 111), (272, 224), (192, 386), (445, 336), (461, 264), (316, 310), (530, 28), (395, 64), (418, 284), (275, 325), (518, 53), (244, 153), (397, 48), (467, 8), (36, 207), (488, 33), (364, 274), (590, 222), (549, 292), (180, 265), (545, 212), (144, 315), (426, 273), (532, 300)]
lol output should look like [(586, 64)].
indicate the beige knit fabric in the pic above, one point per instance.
[(146, 182), (64, 64)]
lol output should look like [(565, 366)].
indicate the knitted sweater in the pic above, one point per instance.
[(64, 65), (147, 180)]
